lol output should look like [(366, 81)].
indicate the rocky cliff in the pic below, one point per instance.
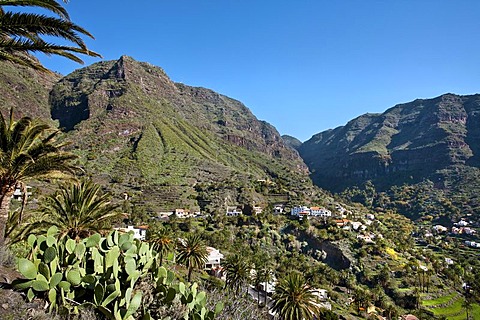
[(423, 139)]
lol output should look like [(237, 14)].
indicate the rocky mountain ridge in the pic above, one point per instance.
[(410, 142)]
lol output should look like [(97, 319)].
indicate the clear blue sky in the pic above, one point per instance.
[(303, 66)]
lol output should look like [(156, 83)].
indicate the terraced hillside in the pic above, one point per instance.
[(451, 307), (166, 142)]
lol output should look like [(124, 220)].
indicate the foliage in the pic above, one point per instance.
[(101, 273), (22, 33), (162, 241), (77, 209), (192, 253), (28, 150), (237, 272), (294, 298)]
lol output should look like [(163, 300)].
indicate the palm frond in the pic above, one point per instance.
[(22, 33), (27, 24), (50, 5)]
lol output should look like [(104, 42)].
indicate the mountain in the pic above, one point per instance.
[(436, 139), (26, 90), (291, 141), (170, 144)]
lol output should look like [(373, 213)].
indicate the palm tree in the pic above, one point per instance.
[(192, 253), (161, 240), (28, 150), (22, 33), (237, 272), (294, 298), (391, 311), (77, 209), (360, 297)]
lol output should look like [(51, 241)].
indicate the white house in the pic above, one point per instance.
[(469, 231), (18, 194), (320, 212), (257, 209), (278, 208), (439, 228), (139, 233), (300, 211), (356, 225), (472, 244), (233, 211), (165, 216), (366, 238), (213, 259), (461, 223), (322, 296)]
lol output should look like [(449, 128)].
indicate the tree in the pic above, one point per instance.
[(28, 150), (162, 241), (467, 305), (391, 312), (237, 272), (360, 297), (22, 33), (294, 298), (77, 209), (192, 253)]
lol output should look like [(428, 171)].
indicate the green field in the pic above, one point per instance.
[(439, 300), (453, 309)]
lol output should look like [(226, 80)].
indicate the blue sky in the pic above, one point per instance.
[(303, 66)]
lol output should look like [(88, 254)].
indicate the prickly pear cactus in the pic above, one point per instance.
[(101, 272)]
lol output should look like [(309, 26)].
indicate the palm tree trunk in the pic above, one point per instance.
[(258, 296), (5, 198), (190, 269), (265, 296)]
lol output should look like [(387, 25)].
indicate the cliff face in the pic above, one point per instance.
[(405, 144), (134, 127)]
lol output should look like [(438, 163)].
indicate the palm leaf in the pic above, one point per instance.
[(50, 5)]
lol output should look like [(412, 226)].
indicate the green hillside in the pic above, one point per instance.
[(136, 131)]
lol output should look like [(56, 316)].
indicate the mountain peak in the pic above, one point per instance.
[(148, 128)]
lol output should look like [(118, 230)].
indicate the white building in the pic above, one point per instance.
[(439, 228), (213, 259), (300, 211), (18, 194), (233, 211), (320, 212), (257, 210), (461, 223), (139, 233), (278, 208), (472, 244)]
